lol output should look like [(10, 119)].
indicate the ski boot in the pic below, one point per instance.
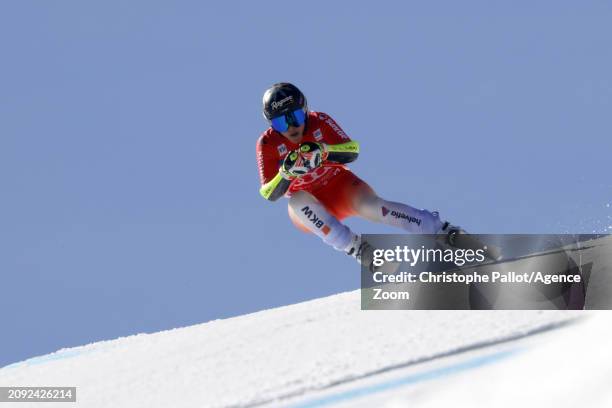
[(456, 237), (448, 233), (363, 252)]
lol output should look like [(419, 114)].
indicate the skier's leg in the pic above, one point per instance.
[(308, 214), (370, 206)]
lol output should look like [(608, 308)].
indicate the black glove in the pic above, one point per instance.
[(313, 154), (293, 165)]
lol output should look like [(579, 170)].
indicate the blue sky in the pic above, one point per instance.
[(127, 145)]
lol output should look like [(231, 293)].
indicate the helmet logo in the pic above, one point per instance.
[(279, 104)]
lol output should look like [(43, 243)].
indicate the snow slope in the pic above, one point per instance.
[(574, 369), (566, 367), (272, 357), (329, 352)]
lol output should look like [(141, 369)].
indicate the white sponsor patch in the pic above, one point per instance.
[(317, 135), (282, 149)]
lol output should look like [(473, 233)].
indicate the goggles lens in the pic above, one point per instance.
[(295, 118)]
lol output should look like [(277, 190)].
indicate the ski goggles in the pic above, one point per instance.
[(294, 118)]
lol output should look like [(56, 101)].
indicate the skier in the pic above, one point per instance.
[(303, 155)]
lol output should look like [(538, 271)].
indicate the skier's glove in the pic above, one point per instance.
[(313, 154), (293, 165)]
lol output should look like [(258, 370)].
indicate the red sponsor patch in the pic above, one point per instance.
[(325, 229)]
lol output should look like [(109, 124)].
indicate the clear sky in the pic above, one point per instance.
[(129, 190)]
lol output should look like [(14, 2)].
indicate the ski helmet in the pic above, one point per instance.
[(282, 98)]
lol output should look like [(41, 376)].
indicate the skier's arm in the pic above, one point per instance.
[(342, 153), (294, 165), (340, 148), (275, 188), (336, 153)]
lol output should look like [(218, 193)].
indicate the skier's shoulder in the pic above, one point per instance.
[(327, 122), (319, 116), (266, 137), (269, 137)]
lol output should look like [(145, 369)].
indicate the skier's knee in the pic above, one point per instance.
[(299, 206), (299, 199), (295, 219), (308, 214), (369, 207)]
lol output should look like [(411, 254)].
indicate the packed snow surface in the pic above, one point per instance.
[(279, 356)]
